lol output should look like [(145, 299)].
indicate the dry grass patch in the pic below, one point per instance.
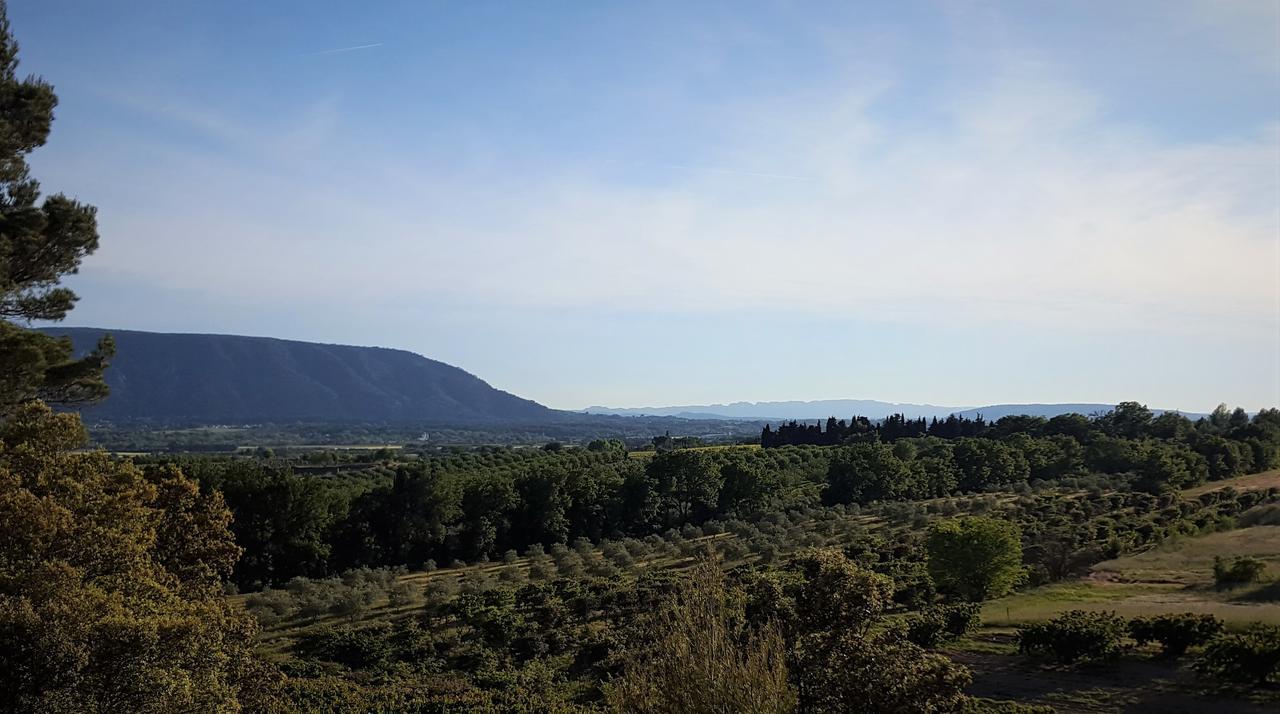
[(1252, 482)]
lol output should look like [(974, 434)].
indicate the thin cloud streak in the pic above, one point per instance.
[(338, 50)]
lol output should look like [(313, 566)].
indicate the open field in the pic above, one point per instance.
[(1177, 576), (1266, 479)]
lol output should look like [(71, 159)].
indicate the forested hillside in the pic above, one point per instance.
[(222, 379)]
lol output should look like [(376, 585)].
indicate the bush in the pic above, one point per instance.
[(440, 589), (733, 550), (540, 571), (1073, 636), (1175, 633), (358, 648), (702, 656), (475, 582), (637, 548), (941, 623), (511, 574), (1250, 657), (617, 553), (841, 672), (1242, 571), (974, 705), (401, 594)]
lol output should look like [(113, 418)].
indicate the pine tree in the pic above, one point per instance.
[(40, 241)]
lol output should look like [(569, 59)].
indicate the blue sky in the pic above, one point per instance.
[(635, 204)]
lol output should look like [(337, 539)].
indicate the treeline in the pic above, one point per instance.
[(473, 507), (1129, 420), (1229, 440), (862, 429)]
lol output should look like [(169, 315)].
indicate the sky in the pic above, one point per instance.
[(644, 204)]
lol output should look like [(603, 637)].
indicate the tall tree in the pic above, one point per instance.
[(976, 558), (110, 579), (40, 241), (688, 484)]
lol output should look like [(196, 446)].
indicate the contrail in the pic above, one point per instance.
[(341, 49)]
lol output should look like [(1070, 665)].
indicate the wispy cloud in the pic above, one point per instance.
[(975, 183), (339, 50)]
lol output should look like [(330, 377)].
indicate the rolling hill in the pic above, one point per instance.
[(222, 379)]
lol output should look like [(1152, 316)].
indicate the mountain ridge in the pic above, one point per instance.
[(234, 378), (845, 408)]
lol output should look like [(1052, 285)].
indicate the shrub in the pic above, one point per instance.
[(1175, 633), (941, 623), (1251, 656), (841, 671), (974, 705), (475, 582), (401, 594), (511, 574), (617, 553), (540, 570), (733, 550), (440, 589), (359, 648), (351, 602), (271, 606), (637, 548), (703, 657), (1241, 571), (1073, 636)]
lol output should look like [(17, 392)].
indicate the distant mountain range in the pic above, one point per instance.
[(845, 408), (224, 379), (228, 379)]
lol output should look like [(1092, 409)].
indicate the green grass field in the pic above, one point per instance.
[(1177, 576)]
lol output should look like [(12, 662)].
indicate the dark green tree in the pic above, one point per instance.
[(976, 558), (40, 241), (687, 482), (866, 472), (747, 488)]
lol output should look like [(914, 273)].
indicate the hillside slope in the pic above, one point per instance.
[(232, 379)]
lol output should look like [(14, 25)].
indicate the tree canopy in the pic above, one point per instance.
[(974, 557), (40, 241)]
